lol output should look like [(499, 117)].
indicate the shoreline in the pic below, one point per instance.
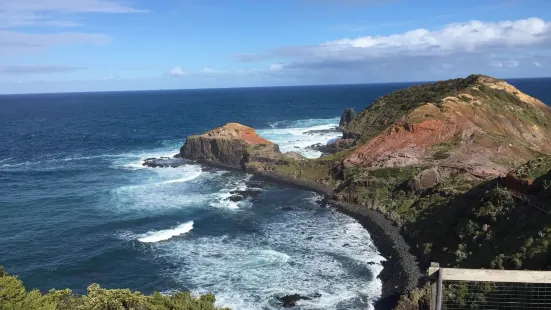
[(401, 271)]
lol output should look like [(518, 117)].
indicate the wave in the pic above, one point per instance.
[(162, 235), (59, 161), (304, 123), (79, 158), (299, 135), (192, 176), (180, 174), (5, 159), (302, 252), (233, 184)]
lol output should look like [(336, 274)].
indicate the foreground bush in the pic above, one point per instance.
[(14, 296)]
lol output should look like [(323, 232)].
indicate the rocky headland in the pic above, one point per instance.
[(435, 165)]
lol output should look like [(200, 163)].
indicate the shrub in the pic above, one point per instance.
[(14, 296)]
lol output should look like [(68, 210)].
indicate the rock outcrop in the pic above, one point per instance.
[(347, 117), (163, 162), (229, 145)]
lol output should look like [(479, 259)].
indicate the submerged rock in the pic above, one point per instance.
[(333, 146), (290, 301), (163, 162), (238, 195), (235, 198)]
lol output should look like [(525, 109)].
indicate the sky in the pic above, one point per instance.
[(110, 45)]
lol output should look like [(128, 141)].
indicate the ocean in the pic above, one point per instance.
[(77, 207)]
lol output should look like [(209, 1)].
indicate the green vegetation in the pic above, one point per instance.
[(313, 170), (441, 155), (505, 102), (535, 168), (388, 109), (14, 296), (460, 221)]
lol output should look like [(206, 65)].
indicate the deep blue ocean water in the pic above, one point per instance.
[(77, 207)]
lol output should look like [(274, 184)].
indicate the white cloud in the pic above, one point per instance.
[(504, 63), (67, 6), (16, 43), (41, 13), (277, 67), (176, 71), (36, 69), (50, 13), (214, 71), (537, 64), (454, 37), (469, 37)]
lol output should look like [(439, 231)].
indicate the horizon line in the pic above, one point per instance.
[(247, 87)]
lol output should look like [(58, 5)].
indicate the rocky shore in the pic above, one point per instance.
[(239, 148), (401, 271)]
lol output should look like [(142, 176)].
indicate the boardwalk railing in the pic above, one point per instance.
[(531, 201), (455, 288)]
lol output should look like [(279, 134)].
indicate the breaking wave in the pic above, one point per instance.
[(299, 135), (162, 235)]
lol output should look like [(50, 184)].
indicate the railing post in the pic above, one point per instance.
[(434, 272), (439, 290)]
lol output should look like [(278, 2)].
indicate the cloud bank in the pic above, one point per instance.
[(17, 15), (476, 44)]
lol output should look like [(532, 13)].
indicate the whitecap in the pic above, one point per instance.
[(299, 135), (297, 252), (163, 235), (159, 190), (192, 174), (78, 158), (133, 160)]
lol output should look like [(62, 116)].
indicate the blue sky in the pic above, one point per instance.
[(96, 45)]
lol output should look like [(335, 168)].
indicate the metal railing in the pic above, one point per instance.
[(458, 289), (531, 201)]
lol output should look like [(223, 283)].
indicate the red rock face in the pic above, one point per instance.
[(403, 140), (521, 185), (238, 132)]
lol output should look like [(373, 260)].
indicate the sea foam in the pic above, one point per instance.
[(162, 235), (299, 135)]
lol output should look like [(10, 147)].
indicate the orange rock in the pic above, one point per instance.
[(238, 131)]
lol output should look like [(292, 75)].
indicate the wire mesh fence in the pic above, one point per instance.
[(495, 295)]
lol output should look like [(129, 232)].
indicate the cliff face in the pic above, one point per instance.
[(229, 145)]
